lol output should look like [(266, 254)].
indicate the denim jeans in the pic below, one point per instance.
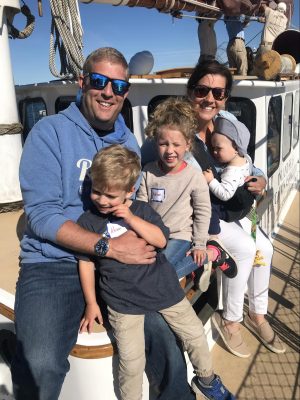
[(176, 254), (48, 307)]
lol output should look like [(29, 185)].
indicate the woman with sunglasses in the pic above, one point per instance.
[(208, 88)]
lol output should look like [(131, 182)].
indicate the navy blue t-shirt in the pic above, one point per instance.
[(134, 289)]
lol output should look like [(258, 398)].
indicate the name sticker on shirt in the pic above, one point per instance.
[(158, 195), (116, 229)]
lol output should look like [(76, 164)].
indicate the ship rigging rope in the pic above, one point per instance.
[(11, 129), (66, 37), (15, 33), (203, 5), (215, 19), (9, 207)]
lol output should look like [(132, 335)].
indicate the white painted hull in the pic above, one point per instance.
[(95, 378)]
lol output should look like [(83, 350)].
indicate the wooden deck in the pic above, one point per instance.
[(265, 375), (12, 225)]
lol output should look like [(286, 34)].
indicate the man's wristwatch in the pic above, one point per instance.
[(102, 246)]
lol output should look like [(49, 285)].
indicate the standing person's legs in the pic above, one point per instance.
[(231, 54), (241, 57), (128, 331), (165, 363), (237, 56), (48, 307), (207, 40)]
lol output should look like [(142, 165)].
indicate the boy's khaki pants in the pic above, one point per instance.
[(129, 334)]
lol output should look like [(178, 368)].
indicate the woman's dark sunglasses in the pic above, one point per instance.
[(99, 81), (201, 91)]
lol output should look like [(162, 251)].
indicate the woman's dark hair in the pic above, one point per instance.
[(209, 67)]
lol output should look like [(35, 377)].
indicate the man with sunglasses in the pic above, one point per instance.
[(55, 187)]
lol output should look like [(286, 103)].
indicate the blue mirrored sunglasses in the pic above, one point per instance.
[(99, 81)]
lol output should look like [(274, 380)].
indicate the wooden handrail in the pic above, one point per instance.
[(7, 312), (79, 351), (92, 352)]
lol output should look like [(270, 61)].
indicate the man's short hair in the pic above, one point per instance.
[(104, 54), (115, 167)]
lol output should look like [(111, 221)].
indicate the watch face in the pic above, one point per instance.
[(101, 247)]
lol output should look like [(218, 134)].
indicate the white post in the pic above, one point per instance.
[(10, 145)]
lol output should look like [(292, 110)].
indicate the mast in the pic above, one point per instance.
[(10, 138)]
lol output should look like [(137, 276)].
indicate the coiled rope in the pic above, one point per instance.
[(8, 207), (11, 129), (15, 33), (66, 37)]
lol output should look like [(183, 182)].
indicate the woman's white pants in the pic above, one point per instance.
[(237, 239)]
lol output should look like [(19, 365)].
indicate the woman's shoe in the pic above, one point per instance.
[(233, 341), (265, 334)]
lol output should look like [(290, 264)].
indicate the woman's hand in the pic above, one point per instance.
[(256, 184), (208, 175)]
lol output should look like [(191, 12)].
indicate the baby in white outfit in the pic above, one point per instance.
[(229, 142)]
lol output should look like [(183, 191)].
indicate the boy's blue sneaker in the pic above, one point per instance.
[(215, 391)]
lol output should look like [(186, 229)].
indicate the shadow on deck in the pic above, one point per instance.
[(267, 375)]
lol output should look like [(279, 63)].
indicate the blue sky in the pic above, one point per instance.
[(173, 43)]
